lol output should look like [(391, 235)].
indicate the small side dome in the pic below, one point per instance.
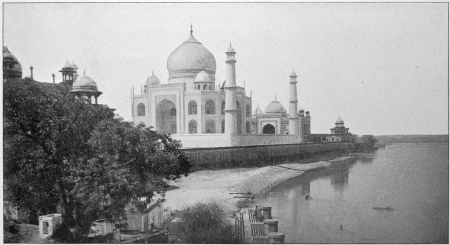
[(202, 77), (258, 111), (68, 65), (152, 80), (85, 84), (11, 66), (339, 122), (275, 107)]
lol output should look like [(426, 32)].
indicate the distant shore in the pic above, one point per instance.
[(219, 185)]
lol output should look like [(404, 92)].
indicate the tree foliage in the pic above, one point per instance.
[(61, 151), (206, 223)]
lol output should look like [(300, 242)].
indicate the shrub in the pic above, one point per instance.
[(206, 223)]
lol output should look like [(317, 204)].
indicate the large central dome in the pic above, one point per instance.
[(190, 58)]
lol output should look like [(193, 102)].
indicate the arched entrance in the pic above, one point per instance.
[(269, 129), (166, 117)]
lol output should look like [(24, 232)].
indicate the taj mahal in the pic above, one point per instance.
[(197, 110), (201, 112)]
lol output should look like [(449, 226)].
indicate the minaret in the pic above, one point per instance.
[(230, 93), (293, 116)]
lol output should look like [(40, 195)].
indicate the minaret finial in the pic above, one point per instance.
[(191, 30)]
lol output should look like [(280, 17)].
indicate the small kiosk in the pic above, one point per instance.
[(47, 224)]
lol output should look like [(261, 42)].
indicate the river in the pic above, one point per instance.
[(411, 178)]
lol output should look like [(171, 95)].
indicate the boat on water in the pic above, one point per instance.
[(387, 208)]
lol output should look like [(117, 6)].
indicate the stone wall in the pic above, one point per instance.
[(225, 140), (258, 155)]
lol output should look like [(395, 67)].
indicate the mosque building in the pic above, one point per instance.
[(196, 110)]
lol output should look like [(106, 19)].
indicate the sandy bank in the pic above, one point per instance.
[(216, 185)]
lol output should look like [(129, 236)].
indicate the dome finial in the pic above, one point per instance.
[(275, 97), (153, 72), (191, 30), (84, 72)]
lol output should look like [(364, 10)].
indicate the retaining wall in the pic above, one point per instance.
[(258, 155)]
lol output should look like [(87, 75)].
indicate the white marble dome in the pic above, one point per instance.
[(190, 57), (152, 80), (202, 77), (275, 107)]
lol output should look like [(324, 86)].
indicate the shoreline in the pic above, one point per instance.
[(219, 185)]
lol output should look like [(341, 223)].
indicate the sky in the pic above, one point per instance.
[(382, 67)]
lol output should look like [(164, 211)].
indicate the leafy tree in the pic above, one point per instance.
[(45, 130), (126, 164), (61, 151), (206, 223)]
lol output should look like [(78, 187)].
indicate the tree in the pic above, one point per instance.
[(45, 129), (206, 223), (126, 164), (52, 141)]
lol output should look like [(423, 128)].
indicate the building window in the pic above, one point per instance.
[(223, 107), (210, 107), (205, 87), (140, 110), (173, 112), (247, 111), (210, 127), (198, 87), (192, 127), (192, 107)]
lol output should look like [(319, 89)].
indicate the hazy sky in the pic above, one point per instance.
[(383, 67)]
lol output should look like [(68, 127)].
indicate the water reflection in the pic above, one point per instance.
[(345, 193)]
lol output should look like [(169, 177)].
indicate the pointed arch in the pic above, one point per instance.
[(239, 117), (166, 117), (210, 127), (141, 110), (192, 107), (248, 111), (192, 126), (222, 107), (247, 127), (268, 129), (223, 126), (210, 107)]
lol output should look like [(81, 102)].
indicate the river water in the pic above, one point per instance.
[(411, 178)]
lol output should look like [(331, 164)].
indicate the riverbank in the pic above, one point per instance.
[(216, 185)]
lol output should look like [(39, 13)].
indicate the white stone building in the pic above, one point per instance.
[(202, 113)]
